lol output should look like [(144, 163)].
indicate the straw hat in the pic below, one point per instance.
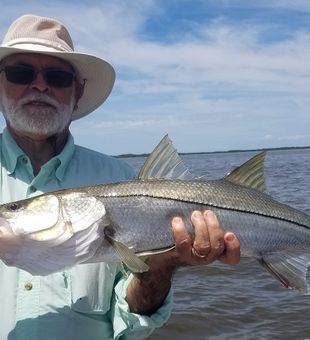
[(35, 34)]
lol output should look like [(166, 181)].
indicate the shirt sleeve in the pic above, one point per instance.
[(133, 326)]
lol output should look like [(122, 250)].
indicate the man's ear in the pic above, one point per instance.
[(1, 89), (79, 90)]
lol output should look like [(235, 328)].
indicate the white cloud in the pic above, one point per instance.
[(220, 84)]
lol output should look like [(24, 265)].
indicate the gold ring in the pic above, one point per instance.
[(195, 252)]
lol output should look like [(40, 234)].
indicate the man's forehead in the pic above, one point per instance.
[(36, 59)]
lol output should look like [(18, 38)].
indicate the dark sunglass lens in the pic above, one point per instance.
[(19, 74), (59, 78)]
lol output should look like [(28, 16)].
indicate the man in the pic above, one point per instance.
[(44, 85)]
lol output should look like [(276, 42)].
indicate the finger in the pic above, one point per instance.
[(201, 245), (216, 234), (183, 240), (231, 255)]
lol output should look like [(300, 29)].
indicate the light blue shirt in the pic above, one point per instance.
[(87, 301)]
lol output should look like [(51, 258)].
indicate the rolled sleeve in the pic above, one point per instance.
[(129, 325)]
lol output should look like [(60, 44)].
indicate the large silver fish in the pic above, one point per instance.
[(125, 220)]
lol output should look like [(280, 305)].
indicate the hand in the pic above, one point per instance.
[(210, 242)]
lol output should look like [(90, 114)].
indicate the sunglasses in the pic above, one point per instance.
[(25, 75)]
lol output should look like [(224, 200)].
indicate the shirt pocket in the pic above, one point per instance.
[(92, 287)]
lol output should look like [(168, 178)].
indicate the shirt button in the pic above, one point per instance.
[(25, 160), (28, 286), (32, 189)]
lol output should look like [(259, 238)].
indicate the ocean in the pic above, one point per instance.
[(219, 302)]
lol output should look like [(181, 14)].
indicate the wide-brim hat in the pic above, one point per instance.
[(35, 34)]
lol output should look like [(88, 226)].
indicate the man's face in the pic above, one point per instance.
[(37, 110)]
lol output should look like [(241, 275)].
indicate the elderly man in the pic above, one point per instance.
[(44, 85)]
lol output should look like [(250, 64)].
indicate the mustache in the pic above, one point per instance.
[(39, 97)]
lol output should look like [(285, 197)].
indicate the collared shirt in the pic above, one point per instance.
[(87, 301)]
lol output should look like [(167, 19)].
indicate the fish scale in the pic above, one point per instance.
[(126, 220)]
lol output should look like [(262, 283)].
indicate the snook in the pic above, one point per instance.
[(125, 220)]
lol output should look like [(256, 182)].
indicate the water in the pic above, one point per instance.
[(218, 302)]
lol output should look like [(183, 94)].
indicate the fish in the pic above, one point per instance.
[(127, 221)]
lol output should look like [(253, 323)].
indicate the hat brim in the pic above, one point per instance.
[(99, 76)]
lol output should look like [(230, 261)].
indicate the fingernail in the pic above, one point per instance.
[(230, 237), (176, 220), (196, 214), (210, 214)]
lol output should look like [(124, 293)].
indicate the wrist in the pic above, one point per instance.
[(163, 264)]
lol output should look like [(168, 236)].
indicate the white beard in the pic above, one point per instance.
[(37, 120)]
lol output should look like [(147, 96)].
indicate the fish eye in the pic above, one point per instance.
[(13, 206)]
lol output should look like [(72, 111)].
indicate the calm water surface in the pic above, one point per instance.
[(218, 302)]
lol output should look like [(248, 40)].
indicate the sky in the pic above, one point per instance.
[(215, 75)]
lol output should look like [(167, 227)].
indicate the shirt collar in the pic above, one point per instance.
[(12, 152), (65, 157)]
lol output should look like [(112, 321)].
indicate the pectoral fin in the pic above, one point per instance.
[(128, 257), (291, 269)]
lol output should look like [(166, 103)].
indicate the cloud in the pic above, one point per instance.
[(220, 80)]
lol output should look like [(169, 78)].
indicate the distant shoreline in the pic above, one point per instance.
[(129, 155)]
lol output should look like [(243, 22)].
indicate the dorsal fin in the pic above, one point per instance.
[(164, 162), (250, 174)]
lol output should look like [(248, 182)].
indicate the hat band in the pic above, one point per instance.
[(37, 45)]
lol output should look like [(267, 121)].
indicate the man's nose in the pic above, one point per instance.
[(40, 83)]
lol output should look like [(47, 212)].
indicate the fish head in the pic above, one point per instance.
[(21, 218)]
